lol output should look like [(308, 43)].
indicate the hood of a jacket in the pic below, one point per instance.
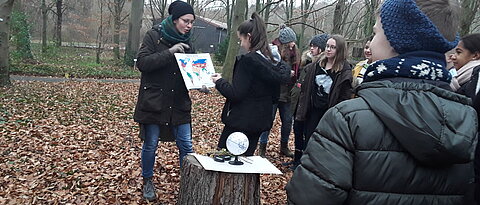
[(265, 69), (275, 54), (307, 58), (437, 127)]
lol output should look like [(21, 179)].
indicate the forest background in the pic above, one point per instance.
[(74, 140)]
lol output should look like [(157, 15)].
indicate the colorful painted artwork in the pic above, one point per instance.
[(196, 69)]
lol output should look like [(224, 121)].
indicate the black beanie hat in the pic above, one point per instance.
[(179, 8)]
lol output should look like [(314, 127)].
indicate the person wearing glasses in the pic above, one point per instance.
[(163, 108), (328, 83), (406, 139)]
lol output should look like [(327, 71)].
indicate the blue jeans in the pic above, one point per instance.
[(286, 118), (183, 139)]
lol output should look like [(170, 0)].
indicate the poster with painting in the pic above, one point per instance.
[(196, 69)]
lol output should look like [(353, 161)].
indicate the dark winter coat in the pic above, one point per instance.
[(476, 105), (398, 143), (163, 97), (340, 90), (469, 88), (342, 86), (250, 96), (297, 87)]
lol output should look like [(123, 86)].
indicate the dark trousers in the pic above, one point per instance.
[(252, 139), (313, 118), (300, 144), (477, 173), (285, 117)]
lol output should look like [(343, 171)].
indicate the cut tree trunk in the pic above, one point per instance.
[(199, 186)]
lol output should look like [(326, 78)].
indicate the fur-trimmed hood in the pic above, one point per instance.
[(308, 58)]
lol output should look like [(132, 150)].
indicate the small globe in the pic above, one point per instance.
[(237, 143)]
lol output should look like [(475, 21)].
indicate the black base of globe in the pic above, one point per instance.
[(235, 162)]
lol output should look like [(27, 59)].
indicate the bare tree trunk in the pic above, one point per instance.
[(346, 32), (134, 27), (116, 34), (229, 11), (44, 26), (160, 6), (266, 11), (289, 9), (150, 5), (21, 31), (5, 11), (58, 23), (470, 8), (100, 33), (369, 20), (305, 6), (246, 10), (233, 46), (117, 21), (258, 5), (191, 2), (338, 17)]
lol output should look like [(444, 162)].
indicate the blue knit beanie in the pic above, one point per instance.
[(286, 35), (408, 29), (320, 40)]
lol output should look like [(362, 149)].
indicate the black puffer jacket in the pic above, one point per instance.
[(163, 97), (254, 89), (398, 143)]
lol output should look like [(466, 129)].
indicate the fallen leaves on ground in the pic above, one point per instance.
[(76, 143)]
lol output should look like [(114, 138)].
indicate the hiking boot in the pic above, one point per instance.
[(262, 150), (148, 189), (284, 150)]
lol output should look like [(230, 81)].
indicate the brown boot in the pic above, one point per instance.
[(284, 150), (262, 150)]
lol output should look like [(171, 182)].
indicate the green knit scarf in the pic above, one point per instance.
[(171, 34)]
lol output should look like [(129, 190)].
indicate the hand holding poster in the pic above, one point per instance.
[(196, 69)]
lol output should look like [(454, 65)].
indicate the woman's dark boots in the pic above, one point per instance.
[(262, 150), (148, 189), (284, 149)]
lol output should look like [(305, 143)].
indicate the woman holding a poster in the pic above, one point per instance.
[(163, 108), (255, 85)]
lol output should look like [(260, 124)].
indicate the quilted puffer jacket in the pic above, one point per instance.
[(398, 143)]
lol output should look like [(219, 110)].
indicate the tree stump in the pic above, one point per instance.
[(199, 186)]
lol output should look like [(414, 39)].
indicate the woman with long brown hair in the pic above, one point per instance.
[(254, 88), (329, 83)]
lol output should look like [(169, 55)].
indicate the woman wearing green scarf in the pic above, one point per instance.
[(163, 107)]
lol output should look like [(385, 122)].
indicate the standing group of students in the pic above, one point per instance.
[(406, 137), (305, 92)]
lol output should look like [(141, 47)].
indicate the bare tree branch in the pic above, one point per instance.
[(295, 23), (123, 19), (269, 4), (298, 17)]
